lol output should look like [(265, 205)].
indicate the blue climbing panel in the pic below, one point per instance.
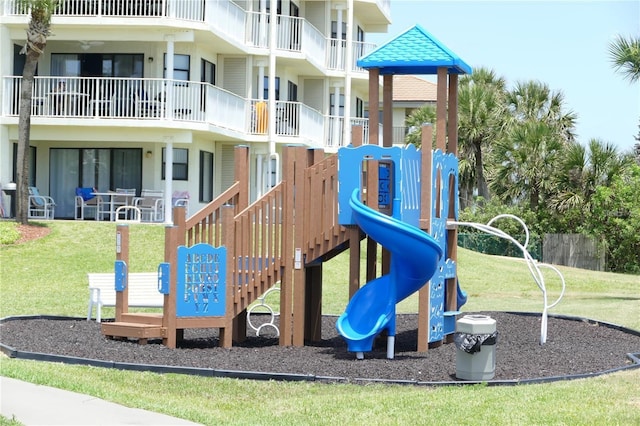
[(444, 175), (201, 281), (404, 185), (120, 275)]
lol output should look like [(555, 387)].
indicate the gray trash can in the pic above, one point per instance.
[(475, 340)]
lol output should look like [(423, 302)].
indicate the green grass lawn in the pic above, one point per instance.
[(48, 276)]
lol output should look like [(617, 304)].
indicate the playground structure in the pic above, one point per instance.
[(224, 257)]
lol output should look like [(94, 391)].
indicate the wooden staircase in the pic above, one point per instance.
[(257, 234)]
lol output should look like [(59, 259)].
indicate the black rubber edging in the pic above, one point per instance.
[(257, 375)]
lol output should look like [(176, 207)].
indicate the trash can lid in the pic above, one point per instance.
[(476, 324)]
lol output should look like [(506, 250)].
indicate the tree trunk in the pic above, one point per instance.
[(483, 189), (24, 128)]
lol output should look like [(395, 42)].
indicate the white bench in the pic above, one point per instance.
[(143, 291)]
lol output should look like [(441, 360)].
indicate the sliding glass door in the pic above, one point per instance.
[(102, 168)]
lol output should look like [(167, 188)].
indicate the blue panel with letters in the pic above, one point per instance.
[(201, 281)]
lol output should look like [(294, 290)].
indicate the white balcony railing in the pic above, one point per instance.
[(361, 49), (336, 57), (293, 34), (163, 100), (178, 9), (227, 18), (335, 127), (336, 54), (257, 29), (82, 97)]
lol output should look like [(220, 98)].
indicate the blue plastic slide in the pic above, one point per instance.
[(414, 259)]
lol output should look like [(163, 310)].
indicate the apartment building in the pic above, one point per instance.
[(129, 92)]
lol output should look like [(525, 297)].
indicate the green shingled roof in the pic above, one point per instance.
[(415, 52)]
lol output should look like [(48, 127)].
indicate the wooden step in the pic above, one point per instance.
[(142, 318), (131, 330)]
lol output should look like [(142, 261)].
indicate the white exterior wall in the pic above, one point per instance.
[(236, 72)]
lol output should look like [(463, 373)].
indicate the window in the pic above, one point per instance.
[(340, 112), (359, 107), (180, 163), (97, 65), (207, 72), (359, 43), (206, 176), (102, 168), (181, 66), (268, 6), (334, 30), (292, 91), (207, 75), (266, 88)]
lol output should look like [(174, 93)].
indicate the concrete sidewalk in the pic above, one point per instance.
[(42, 405)]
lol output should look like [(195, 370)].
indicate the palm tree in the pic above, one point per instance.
[(582, 170), (526, 159), (37, 33), (534, 100), (625, 56), (537, 132), (414, 122), (481, 111)]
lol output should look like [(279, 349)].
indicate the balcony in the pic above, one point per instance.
[(105, 101), (294, 35)]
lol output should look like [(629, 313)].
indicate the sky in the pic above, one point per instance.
[(561, 43)]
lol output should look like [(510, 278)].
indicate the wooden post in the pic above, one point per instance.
[(169, 319), (374, 105), (387, 111), (312, 274), (241, 174), (354, 259), (441, 110), (357, 136), (452, 131), (228, 238), (286, 282), (313, 303), (425, 224), (122, 253), (296, 263), (179, 221), (451, 304)]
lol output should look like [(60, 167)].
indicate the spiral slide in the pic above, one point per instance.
[(414, 260)]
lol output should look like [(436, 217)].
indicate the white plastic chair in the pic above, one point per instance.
[(130, 214), (151, 205), (82, 204), (181, 199), (40, 206)]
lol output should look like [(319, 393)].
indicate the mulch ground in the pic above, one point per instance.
[(573, 348)]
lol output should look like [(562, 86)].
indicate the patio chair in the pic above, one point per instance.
[(151, 205), (85, 200), (40, 206), (147, 107), (181, 199), (124, 197)]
